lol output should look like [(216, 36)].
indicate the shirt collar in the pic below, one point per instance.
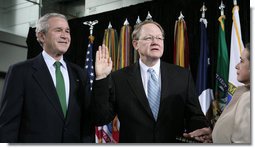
[(50, 61), (145, 68)]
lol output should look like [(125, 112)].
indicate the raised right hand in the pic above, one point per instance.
[(103, 64)]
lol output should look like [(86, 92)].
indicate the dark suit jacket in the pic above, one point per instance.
[(123, 94), (30, 109)]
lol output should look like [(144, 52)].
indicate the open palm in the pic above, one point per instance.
[(103, 63)]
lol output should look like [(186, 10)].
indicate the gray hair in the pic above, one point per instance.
[(42, 24), (137, 30)]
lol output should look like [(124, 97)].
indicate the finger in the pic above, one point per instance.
[(103, 51), (208, 141), (110, 62), (106, 53), (99, 53), (186, 135), (199, 139), (97, 56), (192, 134), (198, 132)]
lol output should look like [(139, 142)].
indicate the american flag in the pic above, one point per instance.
[(89, 65)]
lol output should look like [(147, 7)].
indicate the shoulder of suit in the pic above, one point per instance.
[(166, 65), (77, 69), (127, 69), (23, 64), (72, 65), (173, 67)]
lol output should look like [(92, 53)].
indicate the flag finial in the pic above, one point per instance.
[(181, 17), (221, 7), (91, 25), (149, 17), (138, 21), (110, 25), (203, 9), (126, 22), (235, 2)]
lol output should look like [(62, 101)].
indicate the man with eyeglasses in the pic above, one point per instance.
[(154, 101)]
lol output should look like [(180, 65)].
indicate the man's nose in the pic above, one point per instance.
[(64, 34)]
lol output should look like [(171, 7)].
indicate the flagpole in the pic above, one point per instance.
[(90, 72), (149, 17), (138, 21), (110, 25), (89, 58), (236, 48), (204, 89), (181, 17), (203, 10), (235, 2), (222, 7), (91, 25), (221, 83), (181, 49)]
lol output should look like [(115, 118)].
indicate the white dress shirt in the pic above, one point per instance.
[(144, 74), (50, 64)]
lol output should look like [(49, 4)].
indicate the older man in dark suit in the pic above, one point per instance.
[(44, 98), (154, 101)]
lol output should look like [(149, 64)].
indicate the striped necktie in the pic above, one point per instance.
[(60, 86), (153, 92)]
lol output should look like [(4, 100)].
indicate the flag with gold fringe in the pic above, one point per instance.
[(236, 48), (111, 42), (221, 84), (125, 53), (181, 45)]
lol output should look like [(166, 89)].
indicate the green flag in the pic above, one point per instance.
[(221, 85)]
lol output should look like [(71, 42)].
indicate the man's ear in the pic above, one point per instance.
[(40, 37), (135, 44)]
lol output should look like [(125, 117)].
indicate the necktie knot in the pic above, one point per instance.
[(57, 64), (150, 70), (153, 74)]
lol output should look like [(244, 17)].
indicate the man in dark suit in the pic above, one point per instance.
[(154, 101), (32, 107)]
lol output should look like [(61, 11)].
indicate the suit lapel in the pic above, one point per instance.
[(73, 87), (136, 85), (43, 77), (167, 85), (165, 77)]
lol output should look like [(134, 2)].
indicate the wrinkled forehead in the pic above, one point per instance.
[(150, 28), (57, 21)]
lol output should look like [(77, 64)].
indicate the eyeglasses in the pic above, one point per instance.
[(150, 38)]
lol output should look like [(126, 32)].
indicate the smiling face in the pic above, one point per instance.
[(150, 44), (56, 40), (243, 68)]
